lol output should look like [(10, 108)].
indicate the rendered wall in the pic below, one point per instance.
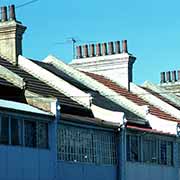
[(79, 171)]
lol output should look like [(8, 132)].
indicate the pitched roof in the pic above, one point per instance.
[(35, 85), (158, 95), (133, 97)]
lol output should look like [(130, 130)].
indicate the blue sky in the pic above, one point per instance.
[(152, 29)]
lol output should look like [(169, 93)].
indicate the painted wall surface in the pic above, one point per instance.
[(79, 171), (149, 172), (20, 163)]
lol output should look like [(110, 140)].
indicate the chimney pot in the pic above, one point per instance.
[(79, 52), (110, 48), (117, 47), (163, 78), (168, 76), (91, 46), (3, 14), (98, 49), (85, 51), (104, 49), (174, 79), (12, 15), (124, 46), (178, 75)]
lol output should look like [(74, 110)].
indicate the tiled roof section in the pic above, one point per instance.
[(35, 85), (148, 130), (161, 97), (133, 97), (62, 75), (4, 82)]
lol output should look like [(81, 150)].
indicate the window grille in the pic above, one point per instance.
[(166, 152), (42, 131), (150, 154), (133, 148), (86, 145)]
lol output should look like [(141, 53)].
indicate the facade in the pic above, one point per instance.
[(83, 120)]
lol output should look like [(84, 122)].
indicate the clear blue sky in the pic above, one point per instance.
[(152, 29)]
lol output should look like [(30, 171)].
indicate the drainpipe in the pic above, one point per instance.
[(175, 151), (121, 165), (54, 138)]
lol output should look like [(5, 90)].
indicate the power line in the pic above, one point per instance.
[(26, 3)]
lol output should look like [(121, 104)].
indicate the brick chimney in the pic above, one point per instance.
[(11, 33), (110, 61)]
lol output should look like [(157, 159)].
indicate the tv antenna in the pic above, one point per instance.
[(73, 42)]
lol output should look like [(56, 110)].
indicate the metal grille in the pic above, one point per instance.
[(86, 145)]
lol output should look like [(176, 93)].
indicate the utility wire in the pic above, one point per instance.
[(26, 3)]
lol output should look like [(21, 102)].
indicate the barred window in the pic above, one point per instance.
[(133, 148), (4, 130), (150, 154), (86, 145)]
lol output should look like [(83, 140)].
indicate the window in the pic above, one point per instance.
[(4, 130), (16, 131), (86, 145), (154, 149), (133, 148), (150, 154)]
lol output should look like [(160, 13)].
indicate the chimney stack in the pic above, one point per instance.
[(3, 14), (124, 46), (11, 34), (108, 61)]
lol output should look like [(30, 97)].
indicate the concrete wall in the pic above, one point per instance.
[(20, 163), (150, 171), (79, 171)]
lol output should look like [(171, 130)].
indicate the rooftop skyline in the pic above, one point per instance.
[(151, 28)]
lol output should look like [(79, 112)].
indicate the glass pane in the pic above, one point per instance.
[(42, 135), (30, 133), (15, 132), (4, 130)]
